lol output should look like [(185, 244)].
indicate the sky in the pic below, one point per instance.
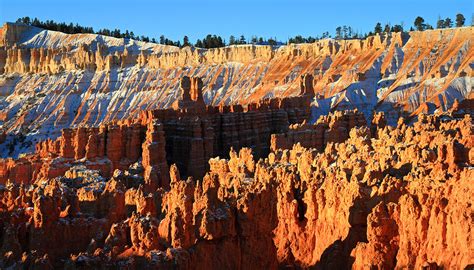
[(267, 18)]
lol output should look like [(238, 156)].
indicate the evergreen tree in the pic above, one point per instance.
[(378, 28), (242, 40), (220, 42), (116, 33), (460, 20), (338, 32), (186, 41), (440, 23), (199, 44), (35, 22), (76, 28), (26, 20), (448, 23), (272, 42), (253, 40), (397, 28), (419, 23), (232, 40)]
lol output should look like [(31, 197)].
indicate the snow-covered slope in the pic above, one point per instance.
[(50, 80)]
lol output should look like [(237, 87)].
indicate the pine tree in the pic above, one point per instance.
[(419, 23), (242, 40), (460, 20), (397, 28), (254, 40), (440, 23), (186, 41), (344, 31), (232, 40), (378, 28), (338, 32), (448, 23), (26, 20), (35, 22), (199, 44)]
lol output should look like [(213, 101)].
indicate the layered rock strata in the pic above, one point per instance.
[(187, 136), (52, 80), (400, 199), (244, 168)]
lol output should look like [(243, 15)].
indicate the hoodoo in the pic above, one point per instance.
[(344, 153), (191, 95)]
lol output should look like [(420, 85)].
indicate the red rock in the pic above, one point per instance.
[(154, 158), (67, 147), (306, 85), (344, 196), (191, 95)]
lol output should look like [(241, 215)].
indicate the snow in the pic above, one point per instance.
[(40, 38), (41, 105)]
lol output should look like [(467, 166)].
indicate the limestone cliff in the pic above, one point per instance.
[(52, 80)]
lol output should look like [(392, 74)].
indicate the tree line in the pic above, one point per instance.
[(420, 24), (215, 41)]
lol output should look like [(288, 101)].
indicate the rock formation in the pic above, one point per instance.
[(191, 97), (187, 136), (279, 158), (154, 158), (104, 79), (358, 197)]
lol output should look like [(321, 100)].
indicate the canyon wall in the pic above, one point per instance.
[(188, 135), (400, 199), (53, 80), (332, 155)]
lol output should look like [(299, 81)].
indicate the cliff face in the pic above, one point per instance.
[(52, 80), (148, 156), (188, 136), (398, 199)]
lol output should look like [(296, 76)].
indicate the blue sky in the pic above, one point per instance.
[(267, 18)]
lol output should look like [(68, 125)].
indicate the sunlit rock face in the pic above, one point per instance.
[(327, 155), (52, 80), (348, 195), (187, 135)]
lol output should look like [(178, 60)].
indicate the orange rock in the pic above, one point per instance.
[(154, 158), (336, 194)]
